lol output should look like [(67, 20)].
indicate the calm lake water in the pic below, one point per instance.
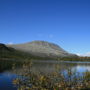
[(46, 67)]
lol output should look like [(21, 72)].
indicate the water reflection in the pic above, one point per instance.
[(51, 66), (6, 81), (82, 68), (45, 67)]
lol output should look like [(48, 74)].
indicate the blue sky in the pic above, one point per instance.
[(64, 22)]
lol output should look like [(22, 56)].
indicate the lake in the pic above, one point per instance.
[(45, 67)]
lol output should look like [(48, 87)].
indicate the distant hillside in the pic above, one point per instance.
[(42, 49), (3, 48), (11, 53), (37, 50)]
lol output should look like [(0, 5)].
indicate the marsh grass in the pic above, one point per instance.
[(68, 80)]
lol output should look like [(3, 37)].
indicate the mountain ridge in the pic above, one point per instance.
[(42, 49)]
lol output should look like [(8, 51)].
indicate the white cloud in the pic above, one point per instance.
[(78, 54), (43, 35), (50, 36), (39, 35), (86, 54), (10, 43), (83, 55)]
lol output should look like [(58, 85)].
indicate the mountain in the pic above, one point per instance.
[(42, 49), (9, 53), (3, 48)]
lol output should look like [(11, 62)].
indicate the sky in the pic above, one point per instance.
[(64, 22)]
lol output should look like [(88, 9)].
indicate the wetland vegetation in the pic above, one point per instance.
[(67, 79), (48, 75)]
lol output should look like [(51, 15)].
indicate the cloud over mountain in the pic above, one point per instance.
[(87, 54)]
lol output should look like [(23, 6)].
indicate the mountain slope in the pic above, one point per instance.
[(3, 48), (42, 49), (8, 53)]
